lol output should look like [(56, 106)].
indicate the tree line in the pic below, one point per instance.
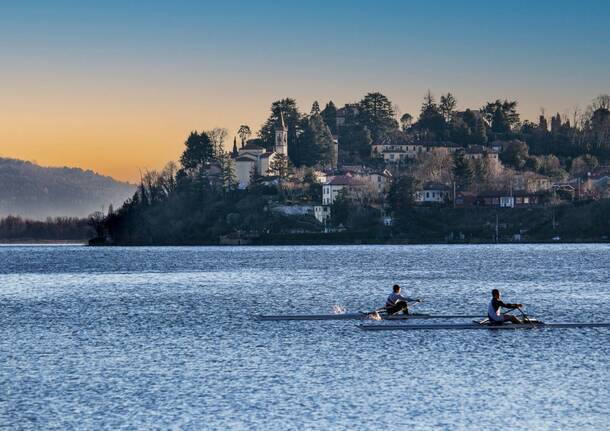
[(14, 228), (375, 117)]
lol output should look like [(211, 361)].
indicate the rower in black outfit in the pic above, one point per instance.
[(396, 302)]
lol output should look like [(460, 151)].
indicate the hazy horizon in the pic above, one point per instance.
[(116, 88)]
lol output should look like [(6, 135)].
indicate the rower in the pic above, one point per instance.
[(493, 310), (396, 302)]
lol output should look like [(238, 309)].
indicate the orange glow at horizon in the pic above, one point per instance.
[(111, 137)]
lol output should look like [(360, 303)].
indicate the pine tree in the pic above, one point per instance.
[(316, 143), (377, 114), (234, 153), (280, 166), (329, 114), (481, 133), (447, 106), (227, 172), (462, 171), (199, 150), (315, 108)]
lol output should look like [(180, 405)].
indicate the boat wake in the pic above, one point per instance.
[(337, 309)]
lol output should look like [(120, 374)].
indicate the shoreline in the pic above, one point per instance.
[(43, 242), (355, 243)]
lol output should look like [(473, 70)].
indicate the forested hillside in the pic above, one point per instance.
[(37, 192)]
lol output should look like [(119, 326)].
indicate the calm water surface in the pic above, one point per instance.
[(162, 338)]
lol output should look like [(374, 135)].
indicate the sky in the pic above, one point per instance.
[(116, 86)]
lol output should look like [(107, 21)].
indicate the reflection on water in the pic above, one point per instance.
[(161, 337)]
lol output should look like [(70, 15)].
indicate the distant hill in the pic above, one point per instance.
[(37, 192)]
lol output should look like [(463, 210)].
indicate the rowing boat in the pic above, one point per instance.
[(363, 316), (475, 325)]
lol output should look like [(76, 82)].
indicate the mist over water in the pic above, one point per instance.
[(111, 338)]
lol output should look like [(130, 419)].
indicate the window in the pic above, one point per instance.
[(427, 195)]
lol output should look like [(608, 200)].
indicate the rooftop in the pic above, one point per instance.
[(435, 186), (252, 146), (344, 180)]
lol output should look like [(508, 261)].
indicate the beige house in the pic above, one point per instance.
[(531, 182), (475, 152)]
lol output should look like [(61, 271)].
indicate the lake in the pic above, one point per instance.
[(111, 338)]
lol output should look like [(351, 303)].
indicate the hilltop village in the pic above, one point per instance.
[(363, 173)]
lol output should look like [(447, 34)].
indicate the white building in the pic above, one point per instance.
[(254, 160), (322, 213), (433, 193), (332, 188)]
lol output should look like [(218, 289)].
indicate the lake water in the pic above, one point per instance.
[(111, 338)]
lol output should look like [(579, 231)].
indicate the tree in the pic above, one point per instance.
[(244, 133), (292, 118), (227, 172), (406, 121), (482, 170), (401, 195), (543, 125), (340, 209), (515, 154), (354, 143), (315, 108), (377, 114), (533, 164), (502, 115), (447, 106), (601, 102), (600, 131), (199, 150), (316, 143), (167, 178), (583, 165), (433, 166), (329, 113), (551, 166), (480, 136), (234, 152), (431, 121), (280, 166), (462, 171), (217, 137)]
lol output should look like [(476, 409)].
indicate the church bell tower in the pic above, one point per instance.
[(281, 137)]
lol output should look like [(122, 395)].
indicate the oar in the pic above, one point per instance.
[(526, 318)]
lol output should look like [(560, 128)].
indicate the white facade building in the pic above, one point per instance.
[(332, 188), (322, 213), (433, 193), (253, 159)]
